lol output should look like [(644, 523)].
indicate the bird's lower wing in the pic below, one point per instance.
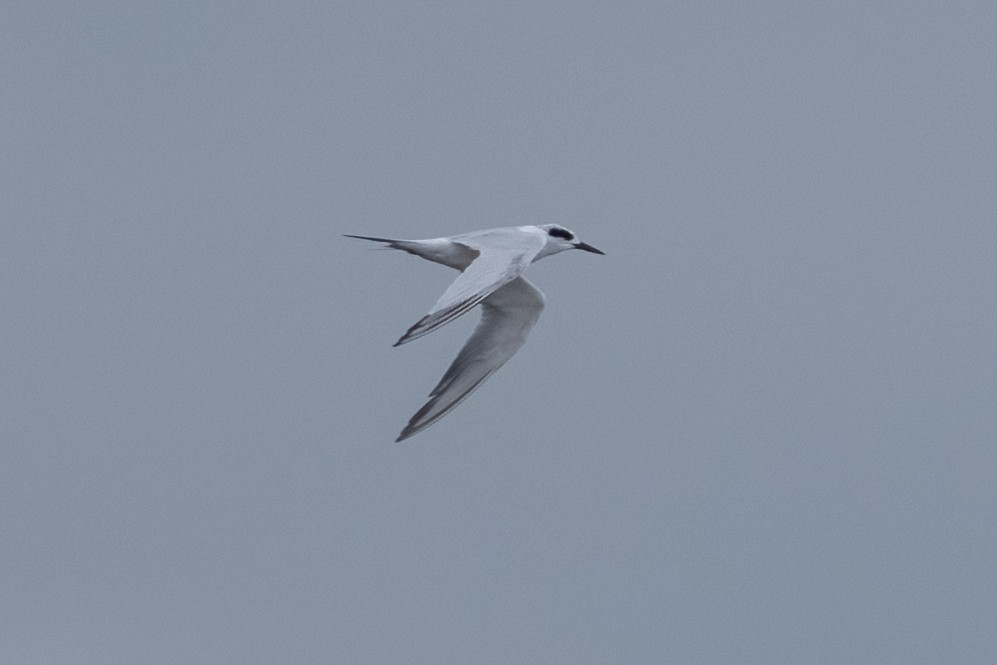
[(507, 316)]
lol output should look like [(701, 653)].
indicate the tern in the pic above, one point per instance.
[(492, 263)]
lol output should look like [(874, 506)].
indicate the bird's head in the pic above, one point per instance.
[(560, 239)]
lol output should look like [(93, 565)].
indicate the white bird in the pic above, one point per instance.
[(491, 263)]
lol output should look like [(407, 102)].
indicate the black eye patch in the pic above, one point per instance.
[(560, 233)]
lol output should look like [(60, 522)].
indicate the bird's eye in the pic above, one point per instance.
[(557, 232)]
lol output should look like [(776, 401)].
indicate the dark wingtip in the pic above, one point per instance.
[(408, 337)]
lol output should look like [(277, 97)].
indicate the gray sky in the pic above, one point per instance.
[(760, 430)]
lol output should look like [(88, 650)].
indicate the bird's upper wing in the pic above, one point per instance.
[(507, 316), (497, 264)]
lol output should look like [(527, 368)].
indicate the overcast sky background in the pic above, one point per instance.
[(760, 430)]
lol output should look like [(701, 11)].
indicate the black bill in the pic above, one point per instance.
[(588, 248)]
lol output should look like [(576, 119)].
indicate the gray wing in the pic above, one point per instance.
[(507, 316), (490, 271)]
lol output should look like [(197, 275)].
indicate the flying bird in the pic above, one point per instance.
[(492, 263)]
